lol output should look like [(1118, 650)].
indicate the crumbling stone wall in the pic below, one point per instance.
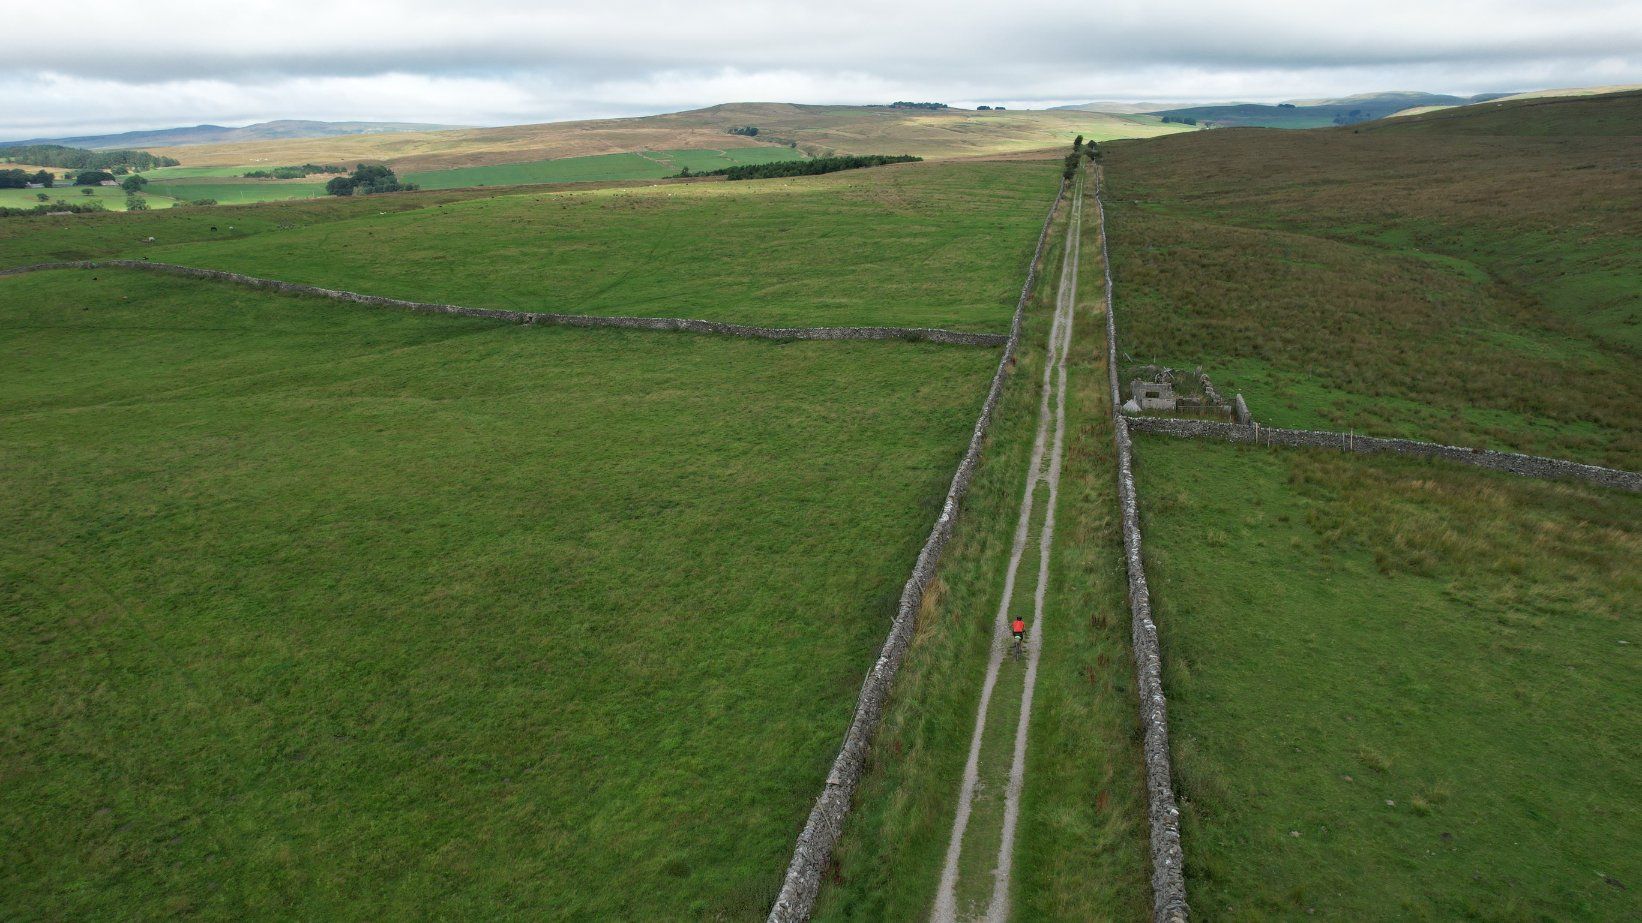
[(1533, 466), (1168, 859), (687, 325), (826, 821)]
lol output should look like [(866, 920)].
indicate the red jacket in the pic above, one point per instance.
[(1019, 627)]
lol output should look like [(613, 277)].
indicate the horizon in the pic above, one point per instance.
[(1026, 106), (504, 62)]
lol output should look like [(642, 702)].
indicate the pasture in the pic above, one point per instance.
[(1398, 690), (111, 197), (229, 191), (1468, 276), (354, 613), (916, 244), (637, 165)]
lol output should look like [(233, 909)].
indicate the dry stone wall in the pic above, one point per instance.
[(687, 325), (1533, 466), (1168, 859), (813, 851)]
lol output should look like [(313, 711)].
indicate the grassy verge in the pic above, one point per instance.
[(1404, 278), (1081, 843), (352, 613), (1398, 690)]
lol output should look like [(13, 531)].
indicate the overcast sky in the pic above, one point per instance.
[(100, 66)]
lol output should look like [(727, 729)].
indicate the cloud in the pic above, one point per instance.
[(498, 61)]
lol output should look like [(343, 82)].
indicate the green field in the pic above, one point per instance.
[(227, 185), (1468, 277), (1398, 690), (356, 613), (645, 165), (921, 244), (238, 192), (112, 197)]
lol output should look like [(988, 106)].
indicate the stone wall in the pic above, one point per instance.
[(1168, 859), (1533, 466), (687, 325), (813, 851)]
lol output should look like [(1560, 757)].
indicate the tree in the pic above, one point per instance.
[(88, 191), (44, 178), (1077, 144), (42, 197), (121, 169), (92, 177), (134, 183), (136, 203), (367, 179)]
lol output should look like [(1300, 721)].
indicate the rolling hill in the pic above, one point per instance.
[(218, 134), (814, 130)]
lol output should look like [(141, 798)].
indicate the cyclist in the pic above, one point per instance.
[(1019, 628)]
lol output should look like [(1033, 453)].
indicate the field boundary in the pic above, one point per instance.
[(1532, 466), (813, 850), (678, 324), (1168, 858)]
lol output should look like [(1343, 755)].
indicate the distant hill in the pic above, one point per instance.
[(1587, 115), (813, 130), (218, 134), (1316, 113)]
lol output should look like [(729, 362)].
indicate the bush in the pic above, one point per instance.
[(46, 208), (136, 203)]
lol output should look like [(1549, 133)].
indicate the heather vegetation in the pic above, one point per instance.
[(1467, 278)]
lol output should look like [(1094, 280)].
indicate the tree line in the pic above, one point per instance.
[(19, 179), (802, 167), (76, 158), (297, 172)]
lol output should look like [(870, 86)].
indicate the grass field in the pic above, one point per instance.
[(238, 192), (817, 130), (1469, 276), (921, 244), (351, 612), (1082, 836), (646, 165), (112, 197), (1398, 690)]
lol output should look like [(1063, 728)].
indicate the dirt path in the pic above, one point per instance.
[(960, 895)]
